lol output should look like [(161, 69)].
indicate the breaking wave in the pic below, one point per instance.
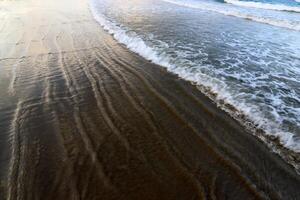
[(211, 85), (251, 4), (236, 13)]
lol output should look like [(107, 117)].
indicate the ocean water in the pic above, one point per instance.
[(245, 55), (274, 3)]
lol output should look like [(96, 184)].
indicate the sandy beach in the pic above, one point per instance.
[(82, 117)]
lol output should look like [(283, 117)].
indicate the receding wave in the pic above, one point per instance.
[(210, 85), (236, 13), (251, 4)]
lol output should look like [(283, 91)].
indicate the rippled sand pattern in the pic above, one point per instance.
[(81, 117)]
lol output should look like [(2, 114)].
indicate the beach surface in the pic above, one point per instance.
[(82, 117)]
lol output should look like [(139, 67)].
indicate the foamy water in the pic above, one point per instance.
[(266, 17), (256, 70), (268, 6)]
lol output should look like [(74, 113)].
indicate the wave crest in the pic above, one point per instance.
[(235, 13), (137, 45), (251, 4)]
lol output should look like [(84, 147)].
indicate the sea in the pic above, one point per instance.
[(244, 55)]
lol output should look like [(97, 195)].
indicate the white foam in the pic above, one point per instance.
[(235, 13), (215, 86), (135, 44), (251, 4)]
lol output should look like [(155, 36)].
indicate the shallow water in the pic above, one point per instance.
[(253, 65)]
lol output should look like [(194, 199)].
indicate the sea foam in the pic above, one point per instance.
[(251, 4), (216, 87), (235, 13)]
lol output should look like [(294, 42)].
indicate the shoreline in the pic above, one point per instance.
[(277, 143), (83, 117)]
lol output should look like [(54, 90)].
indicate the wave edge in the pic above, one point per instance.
[(264, 20), (278, 141)]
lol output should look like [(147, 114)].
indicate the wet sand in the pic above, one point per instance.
[(82, 117)]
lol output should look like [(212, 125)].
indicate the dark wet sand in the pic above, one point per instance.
[(81, 117)]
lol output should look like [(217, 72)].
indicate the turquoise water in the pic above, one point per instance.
[(277, 5), (282, 2)]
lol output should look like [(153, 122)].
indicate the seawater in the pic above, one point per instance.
[(246, 53)]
